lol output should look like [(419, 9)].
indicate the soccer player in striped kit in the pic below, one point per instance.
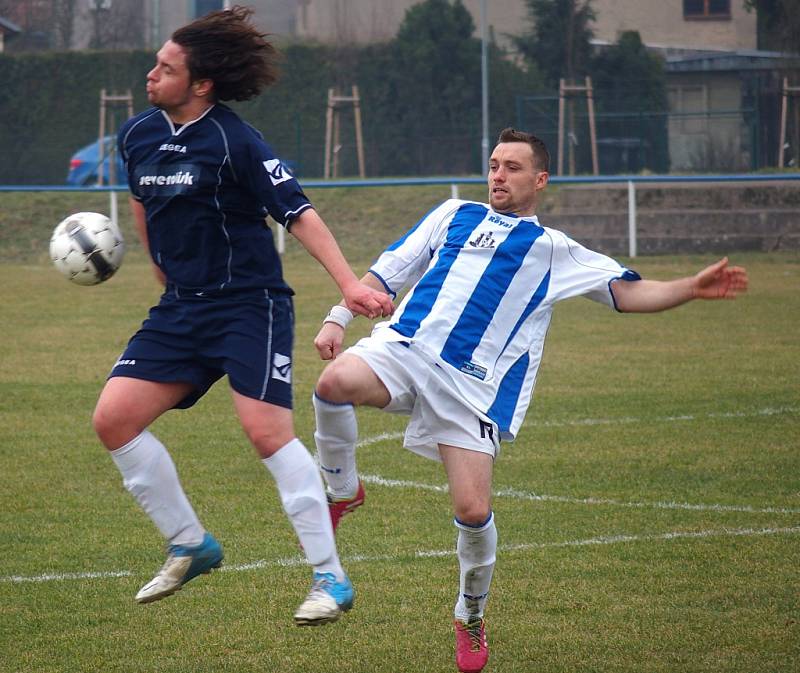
[(202, 182), (461, 352)]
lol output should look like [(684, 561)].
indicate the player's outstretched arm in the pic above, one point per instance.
[(716, 281), (316, 238), (330, 337)]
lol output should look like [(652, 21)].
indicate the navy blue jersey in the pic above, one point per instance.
[(206, 188)]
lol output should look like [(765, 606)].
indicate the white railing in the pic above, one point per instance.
[(454, 181)]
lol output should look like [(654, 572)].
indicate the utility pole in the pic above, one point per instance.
[(484, 91)]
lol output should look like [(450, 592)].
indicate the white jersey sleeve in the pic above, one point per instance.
[(404, 262), (578, 271)]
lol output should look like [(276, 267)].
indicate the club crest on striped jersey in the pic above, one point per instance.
[(483, 240)]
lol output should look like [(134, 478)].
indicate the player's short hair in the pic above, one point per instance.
[(541, 157), (228, 49)]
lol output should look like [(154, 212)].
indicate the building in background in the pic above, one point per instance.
[(276, 17), (720, 87), (723, 92), (667, 25), (8, 29)]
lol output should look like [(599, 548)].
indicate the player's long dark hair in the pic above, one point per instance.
[(228, 49)]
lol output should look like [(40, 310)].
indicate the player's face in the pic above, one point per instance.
[(514, 180), (169, 84)]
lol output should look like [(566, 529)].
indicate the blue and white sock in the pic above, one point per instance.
[(335, 437), (476, 549)]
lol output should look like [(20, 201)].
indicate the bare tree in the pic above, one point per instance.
[(117, 25), (64, 12)]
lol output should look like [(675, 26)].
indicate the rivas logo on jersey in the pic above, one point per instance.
[(277, 171), (484, 240)]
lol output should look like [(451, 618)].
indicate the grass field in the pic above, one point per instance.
[(649, 513)]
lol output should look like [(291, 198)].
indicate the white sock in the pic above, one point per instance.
[(303, 497), (476, 549), (150, 476), (335, 437)]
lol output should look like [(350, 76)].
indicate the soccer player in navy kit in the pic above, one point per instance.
[(202, 182), (461, 352)]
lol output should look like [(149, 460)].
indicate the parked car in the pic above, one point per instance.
[(85, 164)]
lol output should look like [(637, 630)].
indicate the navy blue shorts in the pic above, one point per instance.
[(247, 335)]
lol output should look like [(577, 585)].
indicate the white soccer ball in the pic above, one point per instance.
[(87, 248)]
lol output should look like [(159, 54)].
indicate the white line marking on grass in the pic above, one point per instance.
[(511, 493), (298, 560), (769, 411), (524, 495), (622, 420), (60, 577), (379, 438), (616, 539)]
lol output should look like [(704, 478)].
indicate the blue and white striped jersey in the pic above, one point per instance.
[(206, 187), (483, 286)]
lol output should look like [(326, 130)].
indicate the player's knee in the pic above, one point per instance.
[(110, 427), (334, 386), (473, 513), (268, 442)]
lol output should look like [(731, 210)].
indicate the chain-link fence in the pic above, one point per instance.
[(656, 142)]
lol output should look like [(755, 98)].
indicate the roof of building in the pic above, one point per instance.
[(9, 26), (740, 59)]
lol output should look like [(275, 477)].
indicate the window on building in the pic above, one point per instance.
[(706, 9), (203, 7)]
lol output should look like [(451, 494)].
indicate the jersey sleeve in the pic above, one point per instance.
[(405, 261), (122, 136), (578, 271), (266, 177)]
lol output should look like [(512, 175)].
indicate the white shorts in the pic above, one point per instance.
[(438, 414)]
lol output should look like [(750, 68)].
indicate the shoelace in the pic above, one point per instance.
[(473, 630), (320, 584)]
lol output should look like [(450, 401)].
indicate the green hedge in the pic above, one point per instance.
[(49, 105), (417, 119)]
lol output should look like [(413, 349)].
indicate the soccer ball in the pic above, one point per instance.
[(87, 248)]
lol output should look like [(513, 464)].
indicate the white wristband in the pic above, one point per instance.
[(340, 315)]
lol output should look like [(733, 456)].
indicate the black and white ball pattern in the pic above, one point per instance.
[(87, 248)]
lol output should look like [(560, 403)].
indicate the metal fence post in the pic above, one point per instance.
[(631, 219), (113, 206)]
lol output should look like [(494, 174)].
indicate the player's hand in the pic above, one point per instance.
[(364, 300), (329, 340), (719, 281)]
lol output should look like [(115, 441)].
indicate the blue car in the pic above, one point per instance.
[(85, 164)]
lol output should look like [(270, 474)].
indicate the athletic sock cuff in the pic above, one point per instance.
[(479, 528), (290, 458), (316, 399)]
